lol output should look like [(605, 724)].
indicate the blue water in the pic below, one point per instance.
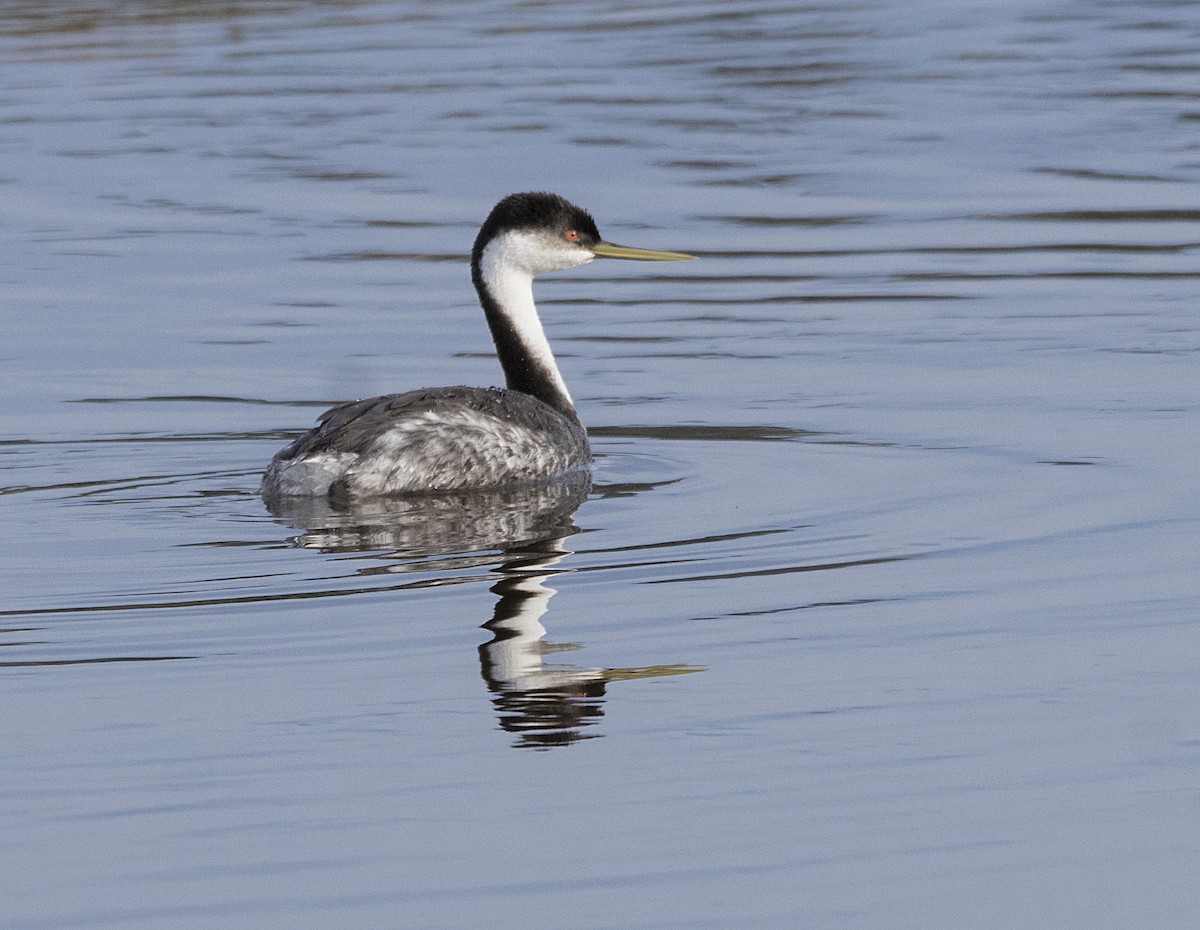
[(881, 609)]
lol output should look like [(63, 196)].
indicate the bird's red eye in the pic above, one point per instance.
[(573, 235)]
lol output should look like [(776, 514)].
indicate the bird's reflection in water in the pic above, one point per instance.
[(418, 526), (545, 704)]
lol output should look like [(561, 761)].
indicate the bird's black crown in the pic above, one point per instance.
[(538, 210)]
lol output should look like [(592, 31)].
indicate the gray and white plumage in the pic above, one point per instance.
[(435, 439), (461, 438)]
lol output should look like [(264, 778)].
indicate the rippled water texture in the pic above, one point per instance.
[(880, 608)]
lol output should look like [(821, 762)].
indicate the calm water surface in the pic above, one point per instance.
[(880, 610)]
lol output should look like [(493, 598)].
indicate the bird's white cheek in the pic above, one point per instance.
[(531, 253)]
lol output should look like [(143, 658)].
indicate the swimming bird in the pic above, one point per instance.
[(464, 438)]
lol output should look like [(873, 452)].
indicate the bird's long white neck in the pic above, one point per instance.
[(504, 278)]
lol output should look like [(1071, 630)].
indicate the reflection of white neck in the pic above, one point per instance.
[(515, 655)]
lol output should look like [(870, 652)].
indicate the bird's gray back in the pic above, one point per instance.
[(429, 440)]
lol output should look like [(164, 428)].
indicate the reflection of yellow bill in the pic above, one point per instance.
[(610, 250), (650, 671)]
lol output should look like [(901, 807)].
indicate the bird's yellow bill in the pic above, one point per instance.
[(612, 250)]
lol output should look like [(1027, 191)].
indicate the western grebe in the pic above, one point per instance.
[(461, 438)]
